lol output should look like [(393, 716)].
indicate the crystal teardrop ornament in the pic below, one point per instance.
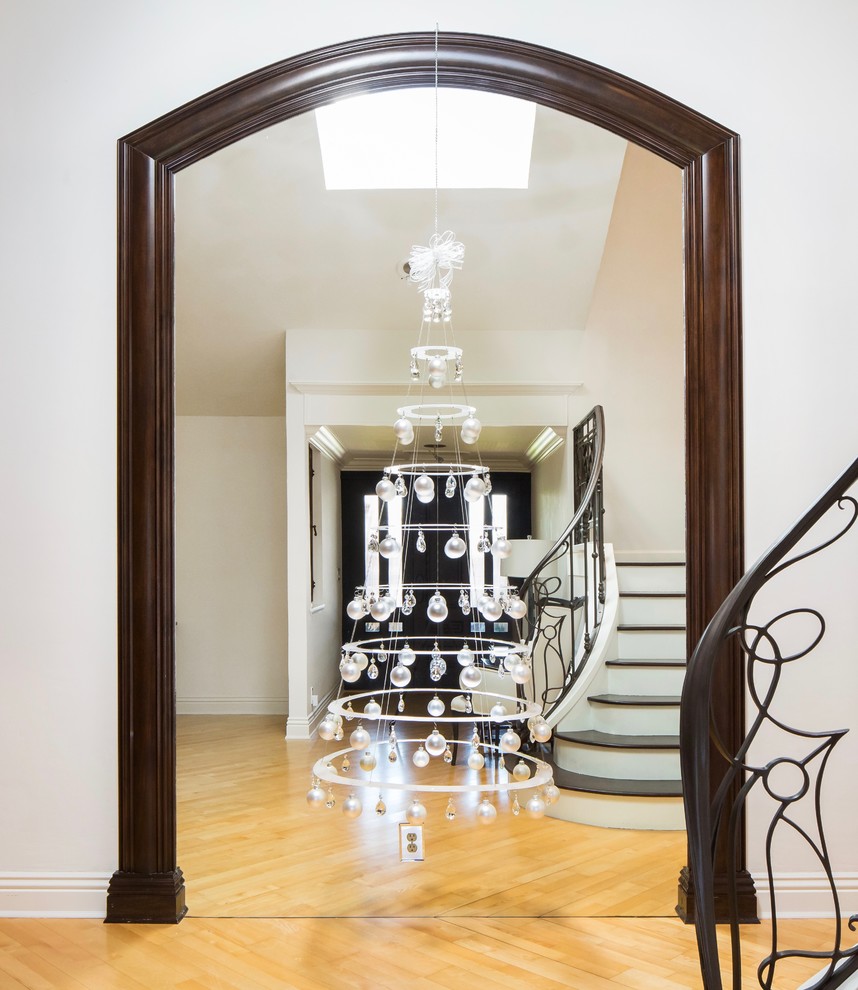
[(345, 765), (488, 482), (450, 812), (421, 542), (350, 712), (483, 545), (381, 808), (400, 706), (372, 546), (436, 651), (450, 487), (465, 603), (400, 487), (516, 807), (448, 755), (391, 756), (331, 801), (372, 672), (439, 430), (381, 656)]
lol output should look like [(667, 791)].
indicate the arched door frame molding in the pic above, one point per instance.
[(148, 885)]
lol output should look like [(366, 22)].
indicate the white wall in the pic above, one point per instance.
[(230, 565), (73, 78), (631, 362)]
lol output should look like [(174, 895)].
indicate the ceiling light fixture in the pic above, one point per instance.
[(413, 697)]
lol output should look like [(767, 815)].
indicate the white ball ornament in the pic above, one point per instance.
[(541, 730), (420, 758), (360, 738), (368, 761), (403, 429), (372, 709), (436, 707), (400, 676), (486, 812), (521, 771), (465, 656), (516, 609), (424, 488), (470, 430), (510, 741), (389, 547), (435, 743), (476, 760), (491, 610), (356, 609), (498, 712), (455, 547), (520, 673), (437, 608), (470, 678), (437, 366), (316, 797), (327, 728), (407, 656), (386, 490), (352, 807), (349, 671), (475, 488), (535, 807), (416, 813), (551, 793), (361, 659)]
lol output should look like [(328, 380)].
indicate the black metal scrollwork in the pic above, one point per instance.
[(792, 782)]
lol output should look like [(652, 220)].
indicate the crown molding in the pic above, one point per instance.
[(473, 388), (544, 444), (328, 443)]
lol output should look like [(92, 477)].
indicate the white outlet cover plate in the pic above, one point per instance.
[(411, 843)]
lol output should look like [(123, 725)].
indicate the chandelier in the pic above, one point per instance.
[(410, 733)]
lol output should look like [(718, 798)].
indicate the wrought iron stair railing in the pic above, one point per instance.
[(744, 630), (565, 592)]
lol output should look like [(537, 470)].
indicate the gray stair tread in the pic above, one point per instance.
[(646, 663), (644, 627), (572, 781), (592, 737), (652, 594), (649, 700)]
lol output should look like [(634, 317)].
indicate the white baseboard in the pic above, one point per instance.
[(807, 895), (232, 706), (53, 895), (647, 556), (305, 727)]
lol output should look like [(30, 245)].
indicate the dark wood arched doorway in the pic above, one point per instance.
[(148, 885)]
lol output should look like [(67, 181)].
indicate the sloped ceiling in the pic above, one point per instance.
[(263, 248)]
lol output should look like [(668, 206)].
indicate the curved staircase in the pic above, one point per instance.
[(616, 751)]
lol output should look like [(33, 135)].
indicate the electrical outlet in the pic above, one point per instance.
[(411, 843), (314, 698)]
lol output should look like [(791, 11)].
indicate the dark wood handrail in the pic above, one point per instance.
[(699, 742)]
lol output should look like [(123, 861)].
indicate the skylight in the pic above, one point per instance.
[(387, 140)]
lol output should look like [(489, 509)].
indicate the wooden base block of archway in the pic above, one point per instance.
[(146, 898)]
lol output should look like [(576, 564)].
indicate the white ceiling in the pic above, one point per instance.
[(263, 248)]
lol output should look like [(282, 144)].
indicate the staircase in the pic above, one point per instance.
[(616, 753)]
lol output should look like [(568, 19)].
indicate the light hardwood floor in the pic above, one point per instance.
[(283, 898)]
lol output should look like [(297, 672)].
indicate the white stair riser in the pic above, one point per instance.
[(652, 645), (636, 720), (613, 811), (618, 764), (652, 611), (662, 578), (645, 680)]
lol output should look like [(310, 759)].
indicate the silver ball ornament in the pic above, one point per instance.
[(535, 807), (386, 490), (352, 807), (470, 678), (486, 812), (510, 741), (455, 547), (349, 671), (416, 813), (360, 738), (316, 797), (420, 758), (435, 743), (400, 676)]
